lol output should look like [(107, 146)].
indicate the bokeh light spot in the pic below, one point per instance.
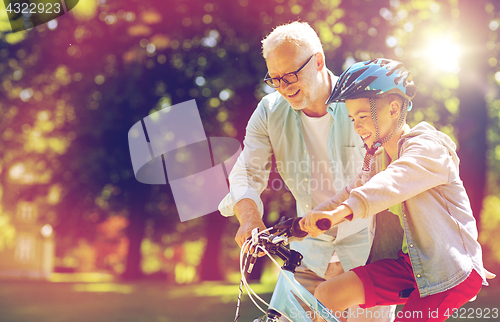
[(207, 19), (296, 9), (497, 77), (46, 231), (18, 74), (214, 102), (52, 24), (99, 79), (494, 25), (408, 27), (26, 94), (391, 41), (162, 59), (151, 48), (200, 81), (225, 94)]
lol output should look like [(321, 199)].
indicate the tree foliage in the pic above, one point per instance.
[(71, 92)]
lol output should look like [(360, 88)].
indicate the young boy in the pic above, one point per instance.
[(414, 173)]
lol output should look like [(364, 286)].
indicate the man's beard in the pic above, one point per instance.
[(301, 105), (306, 101)]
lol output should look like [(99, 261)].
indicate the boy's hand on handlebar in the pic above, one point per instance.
[(336, 216), (308, 222)]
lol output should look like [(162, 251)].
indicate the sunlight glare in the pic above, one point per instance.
[(444, 54)]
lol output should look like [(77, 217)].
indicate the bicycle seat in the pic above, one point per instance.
[(404, 294)]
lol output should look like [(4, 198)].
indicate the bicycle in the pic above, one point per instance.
[(273, 241)]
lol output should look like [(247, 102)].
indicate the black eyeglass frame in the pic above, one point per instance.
[(269, 80)]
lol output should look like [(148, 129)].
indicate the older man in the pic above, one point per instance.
[(316, 150)]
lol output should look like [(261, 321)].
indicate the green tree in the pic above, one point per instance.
[(71, 93)]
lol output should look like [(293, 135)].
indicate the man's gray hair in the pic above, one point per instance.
[(299, 33)]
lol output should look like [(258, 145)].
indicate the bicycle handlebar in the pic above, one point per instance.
[(275, 239), (323, 224)]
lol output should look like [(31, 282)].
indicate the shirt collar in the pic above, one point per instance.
[(333, 81)]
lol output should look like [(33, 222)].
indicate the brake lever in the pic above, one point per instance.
[(255, 254), (278, 239), (284, 224), (255, 235)]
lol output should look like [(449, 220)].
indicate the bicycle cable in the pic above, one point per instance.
[(244, 282), (248, 244), (250, 291), (240, 292)]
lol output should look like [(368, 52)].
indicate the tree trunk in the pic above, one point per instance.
[(135, 232), (473, 118), (210, 266)]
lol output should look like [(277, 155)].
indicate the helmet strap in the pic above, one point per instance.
[(378, 143), (373, 110)]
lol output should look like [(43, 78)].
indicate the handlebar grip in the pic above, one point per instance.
[(295, 229), (323, 224)]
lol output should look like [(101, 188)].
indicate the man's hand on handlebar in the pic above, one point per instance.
[(245, 232), (249, 217)]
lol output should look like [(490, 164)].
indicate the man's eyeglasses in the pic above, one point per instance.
[(289, 78)]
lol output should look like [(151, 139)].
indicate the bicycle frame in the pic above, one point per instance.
[(284, 301), (288, 291)]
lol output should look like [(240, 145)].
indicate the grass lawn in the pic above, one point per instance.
[(152, 301)]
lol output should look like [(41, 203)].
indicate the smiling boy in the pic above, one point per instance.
[(415, 174)]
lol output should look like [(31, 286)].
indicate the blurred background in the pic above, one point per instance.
[(81, 239)]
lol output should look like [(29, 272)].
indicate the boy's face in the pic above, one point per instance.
[(286, 58), (360, 114)]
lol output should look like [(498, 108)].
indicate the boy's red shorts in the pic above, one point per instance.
[(383, 281)]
